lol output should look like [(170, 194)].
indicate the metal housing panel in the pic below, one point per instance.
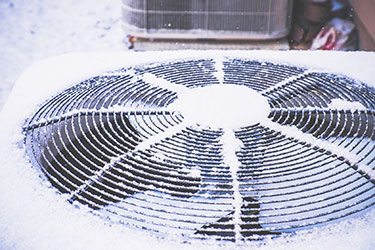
[(207, 19)]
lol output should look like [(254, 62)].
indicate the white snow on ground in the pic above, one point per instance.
[(33, 216), (31, 30)]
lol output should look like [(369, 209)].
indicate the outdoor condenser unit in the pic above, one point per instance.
[(207, 19), (190, 150)]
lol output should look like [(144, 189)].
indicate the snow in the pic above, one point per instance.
[(195, 172), (168, 133), (34, 216), (137, 207), (219, 106), (95, 177), (162, 83), (219, 67), (345, 105), (287, 81), (114, 108), (338, 151), (231, 145), (31, 30)]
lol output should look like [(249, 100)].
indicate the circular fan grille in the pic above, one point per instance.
[(118, 144)]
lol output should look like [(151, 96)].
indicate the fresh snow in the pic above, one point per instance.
[(34, 216), (111, 109), (231, 145), (219, 69), (168, 133), (95, 177), (287, 81), (338, 151), (163, 83), (345, 105), (221, 106), (35, 29), (195, 172)]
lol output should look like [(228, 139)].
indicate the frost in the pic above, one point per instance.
[(338, 151), (367, 170), (287, 81), (112, 109), (230, 146), (163, 83), (195, 172), (219, 69), (222, 106), (340, 104), (169, 132), (160, 156)]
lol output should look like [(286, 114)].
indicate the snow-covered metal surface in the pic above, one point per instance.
[(158, 138)]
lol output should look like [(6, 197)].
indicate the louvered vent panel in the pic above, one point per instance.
[(239, 19)]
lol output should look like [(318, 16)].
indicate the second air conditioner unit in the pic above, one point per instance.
[(207, 19)]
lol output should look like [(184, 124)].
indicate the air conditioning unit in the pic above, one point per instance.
[(190, 149), (207, 19)]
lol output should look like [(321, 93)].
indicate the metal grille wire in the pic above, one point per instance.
[(86, 140)]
